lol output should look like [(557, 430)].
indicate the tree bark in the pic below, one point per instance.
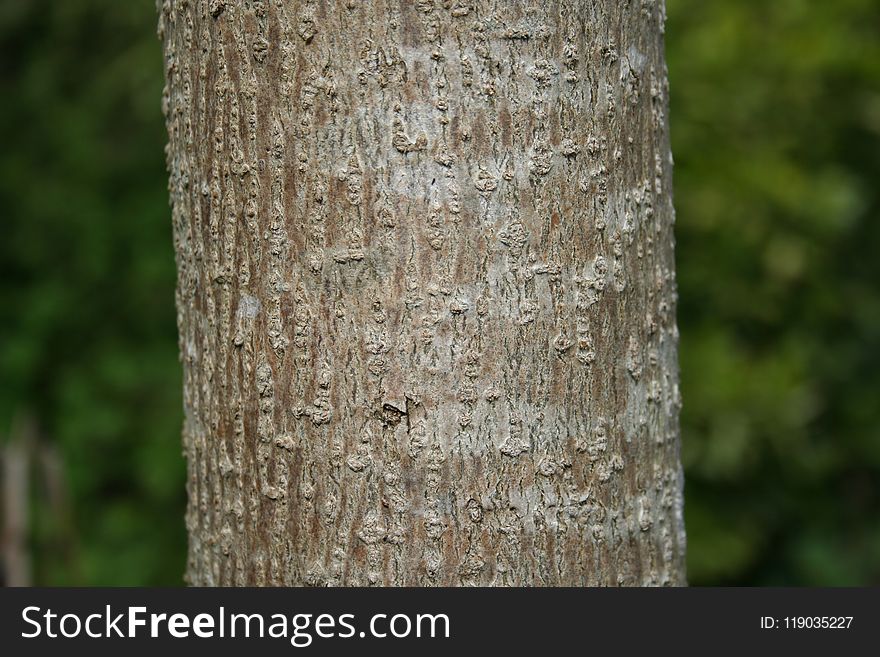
[(426, 291)]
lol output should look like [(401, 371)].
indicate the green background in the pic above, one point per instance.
[(775, 113)]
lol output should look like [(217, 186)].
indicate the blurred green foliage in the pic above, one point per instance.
[(88, 340), (775, 111)]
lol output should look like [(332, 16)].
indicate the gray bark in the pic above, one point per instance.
[(426, 291)]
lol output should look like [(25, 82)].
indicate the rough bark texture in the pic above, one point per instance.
[(426, 291)]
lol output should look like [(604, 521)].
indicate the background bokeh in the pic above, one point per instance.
[(775, 111)]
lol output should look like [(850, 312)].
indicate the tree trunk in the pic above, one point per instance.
[(426, 291)]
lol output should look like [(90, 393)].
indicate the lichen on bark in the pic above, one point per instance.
[(426, 293)]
